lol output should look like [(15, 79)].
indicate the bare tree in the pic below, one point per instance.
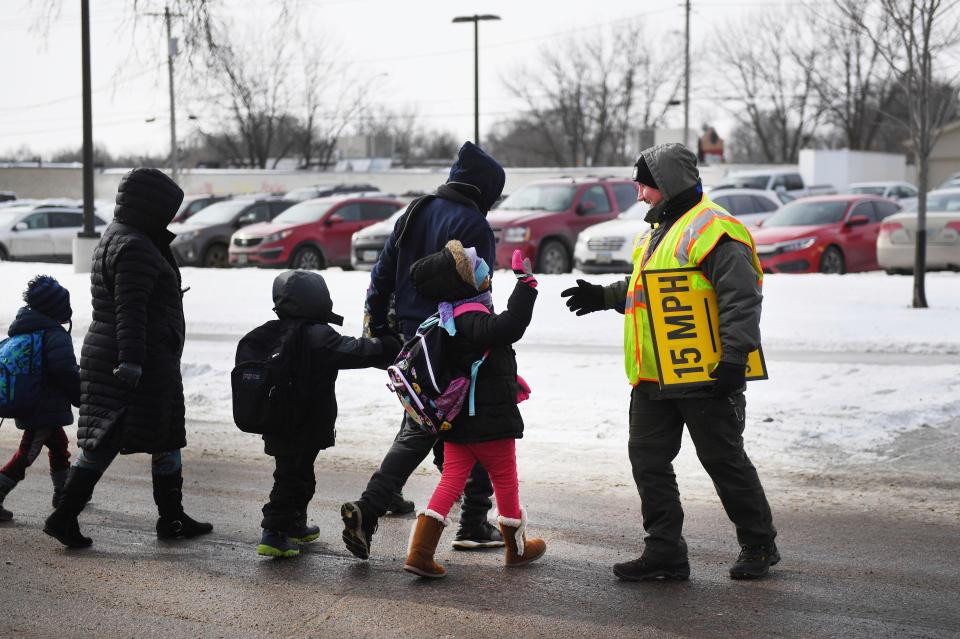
[(772, 78), (921, 31)]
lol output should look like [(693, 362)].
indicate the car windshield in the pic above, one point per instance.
[(745, 182), (636, 212), (310, 211), (948, 202), (219, 213), (542, 197), (806, 213), (868, 190)]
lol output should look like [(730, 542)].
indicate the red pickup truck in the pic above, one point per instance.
[(543, 218)]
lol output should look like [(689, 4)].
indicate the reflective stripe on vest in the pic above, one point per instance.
[(686, 244)]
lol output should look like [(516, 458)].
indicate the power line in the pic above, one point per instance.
[(68, 98)]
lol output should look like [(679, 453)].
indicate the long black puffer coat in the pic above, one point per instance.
[(495, 401), (137, 319)]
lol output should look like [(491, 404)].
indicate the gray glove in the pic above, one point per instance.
[(128, 373)]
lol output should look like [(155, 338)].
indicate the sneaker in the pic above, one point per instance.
[(483, 535), (652, 567), (358, 528), (400, 506), (275, 543), (301, 533), (755, 561)]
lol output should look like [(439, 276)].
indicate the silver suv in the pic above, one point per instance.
[(43, 231)]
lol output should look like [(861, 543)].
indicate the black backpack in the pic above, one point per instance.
[(271, 379)]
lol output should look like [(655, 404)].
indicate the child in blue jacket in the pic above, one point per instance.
[(47, 310)]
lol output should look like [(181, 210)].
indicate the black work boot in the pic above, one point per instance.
[(651, 566), (6, 485), (755, 561), (62, 524), (475, 536), (359, 525), (173, 522), (400, 506), (59, 479)]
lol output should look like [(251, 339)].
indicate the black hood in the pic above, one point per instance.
[(29, 320), (482, 177), (437, 279), (303, 295), (147, 199)]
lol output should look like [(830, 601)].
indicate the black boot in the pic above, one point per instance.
[(59, 479), (6, 485), (62, 524), (400, 506), (755, 561), (173, 522), (651, 566), (359, 525)]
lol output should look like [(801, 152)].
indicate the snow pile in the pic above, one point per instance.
[(820, 407)]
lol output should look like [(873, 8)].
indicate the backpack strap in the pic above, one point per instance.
[(470, 307), (463, 309)]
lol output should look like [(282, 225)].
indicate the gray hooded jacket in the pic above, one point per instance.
[(729, 267)]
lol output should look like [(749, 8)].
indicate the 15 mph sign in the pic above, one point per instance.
[(685, 328)]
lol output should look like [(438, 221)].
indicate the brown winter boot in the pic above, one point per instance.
[(520, 550), (423, 543)]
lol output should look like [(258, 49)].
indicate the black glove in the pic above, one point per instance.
[(730, 378), (128, 373), (584, 298), (391, 346)]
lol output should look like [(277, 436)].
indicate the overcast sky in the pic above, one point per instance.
[(428, 61)]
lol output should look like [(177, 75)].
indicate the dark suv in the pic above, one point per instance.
[(543, 219), (193, 204)]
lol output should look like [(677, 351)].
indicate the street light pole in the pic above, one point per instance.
[(475, 19), (172, 51), (88, 222), (686, 76)]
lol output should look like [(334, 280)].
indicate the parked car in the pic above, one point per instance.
[(951, 182), (543, 219), (42, 232), (194, 204), (366, 244), (831, 234), (608, 247), (750, 206), (902, 192), (773, 180), (895, 245), (326, 190), (7, 196), (310, 235), (204, 239)]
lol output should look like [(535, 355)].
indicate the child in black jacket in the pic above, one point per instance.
[(47, 309), (302, 303), (485, 431)]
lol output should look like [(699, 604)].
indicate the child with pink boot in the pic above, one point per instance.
[(489, 424)]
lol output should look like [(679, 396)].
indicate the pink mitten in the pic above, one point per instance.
[(522, 269)]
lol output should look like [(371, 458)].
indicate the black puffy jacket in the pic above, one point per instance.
[(137, 319), (61, 378)]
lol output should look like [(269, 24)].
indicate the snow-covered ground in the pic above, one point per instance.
[(851, 366)]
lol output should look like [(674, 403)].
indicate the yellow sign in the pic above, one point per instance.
[(686, 329)]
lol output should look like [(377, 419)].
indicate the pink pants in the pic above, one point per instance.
[(498, 457)]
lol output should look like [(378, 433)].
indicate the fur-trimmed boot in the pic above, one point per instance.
[(423, 544), (520, 550), (59, 479)]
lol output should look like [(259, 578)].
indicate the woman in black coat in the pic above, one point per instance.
[(131, 389)]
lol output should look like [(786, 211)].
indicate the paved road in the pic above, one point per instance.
[(865, 572)]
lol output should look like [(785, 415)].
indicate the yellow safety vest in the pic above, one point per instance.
[(687, 243)]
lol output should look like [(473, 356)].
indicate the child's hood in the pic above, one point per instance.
[(454, 273), (29, 320), (303, 295)]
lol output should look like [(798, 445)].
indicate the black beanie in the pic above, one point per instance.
[(643, 175), (45, 295)]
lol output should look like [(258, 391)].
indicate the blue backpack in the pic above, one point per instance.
[(21, 373)]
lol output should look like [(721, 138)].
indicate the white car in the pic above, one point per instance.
[(608, 247), (902, 192), (750, 206), (896, 242), (41, 232), (366, 244)]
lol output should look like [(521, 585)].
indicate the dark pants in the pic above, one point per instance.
[(294, 484), (716, 428), (32, 442), (410, 447)]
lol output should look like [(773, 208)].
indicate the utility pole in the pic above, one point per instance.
[(88, 224), (686, 75), (475, 19), (171, 54)]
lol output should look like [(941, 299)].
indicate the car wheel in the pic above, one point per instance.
[(553, 258), (832, 261), (307, 259), (3, 254), (216, 257)]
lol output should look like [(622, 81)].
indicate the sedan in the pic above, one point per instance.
[(751, 206), (366, 244), (897, 240), (608, 247), (828, 234)]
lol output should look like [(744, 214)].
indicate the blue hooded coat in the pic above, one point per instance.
[(457, 211)]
